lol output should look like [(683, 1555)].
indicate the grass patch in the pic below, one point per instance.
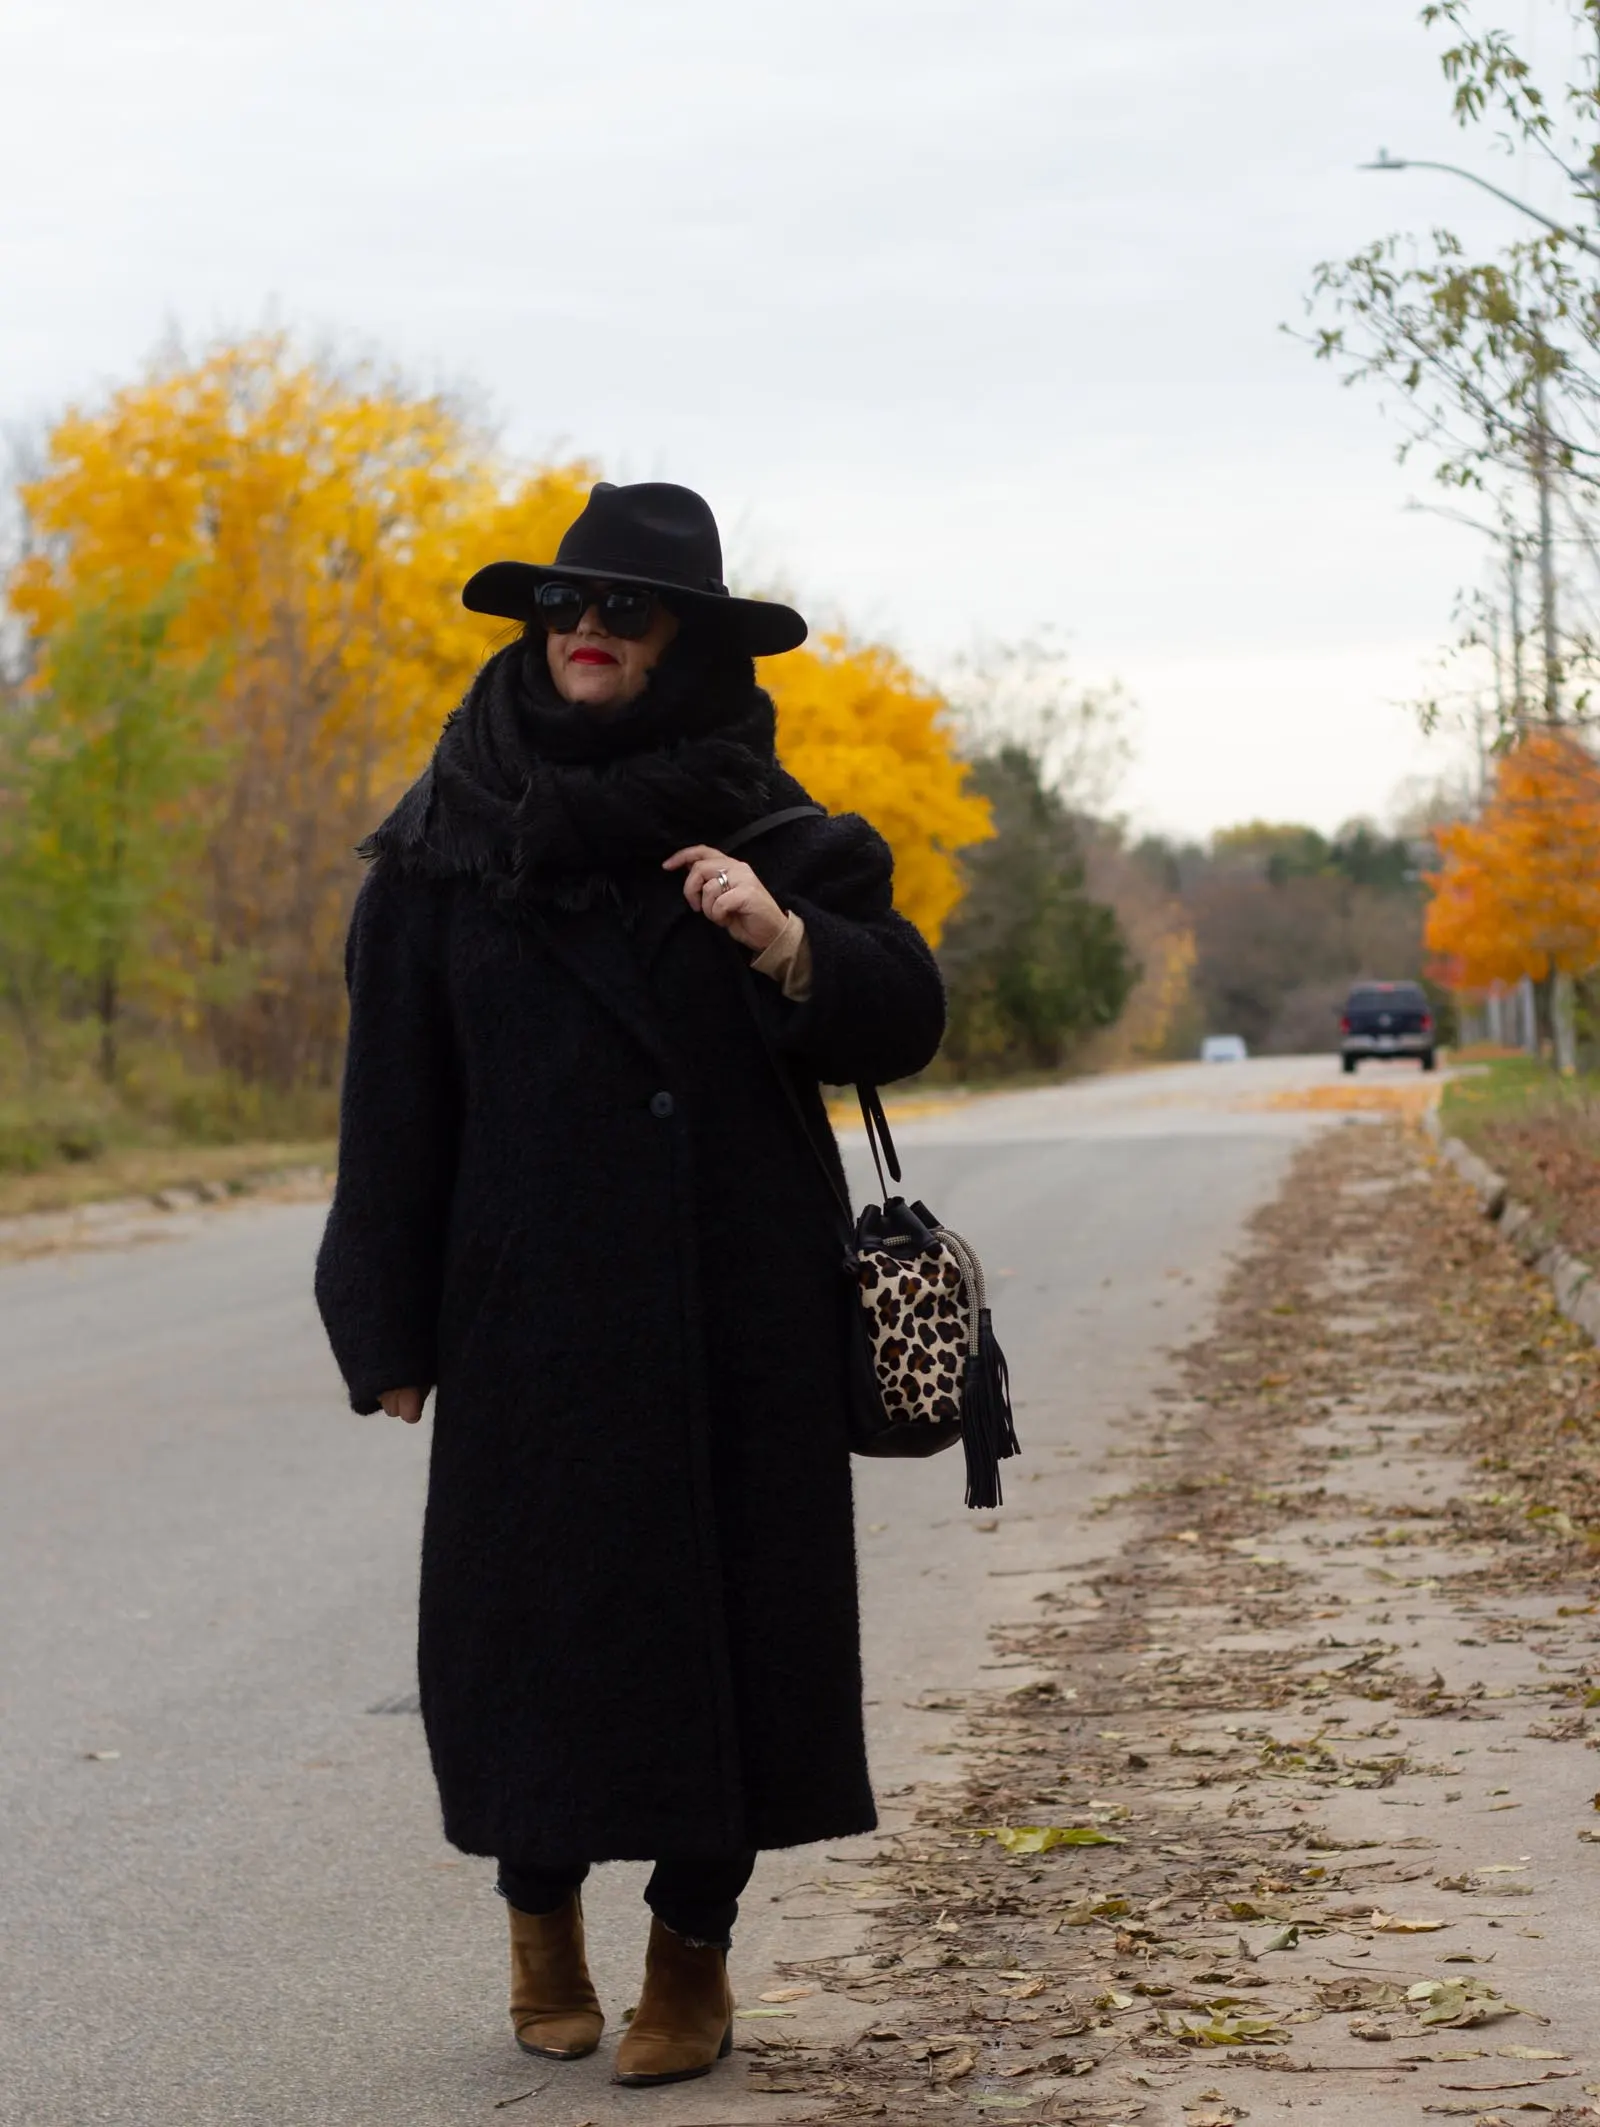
[(169, 1122), (145, 1170), (1542, 1133)]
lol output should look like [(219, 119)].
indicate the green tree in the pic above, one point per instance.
[(1033, 963), (105, 755), (1358, 853), (1282, 851)]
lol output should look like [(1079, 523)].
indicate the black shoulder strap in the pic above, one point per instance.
[(771, 820), (872, 1115), (877, 1124)]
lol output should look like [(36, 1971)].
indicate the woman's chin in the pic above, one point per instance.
[(599, 687)]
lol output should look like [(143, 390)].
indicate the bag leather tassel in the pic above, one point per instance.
[(988, 1431)]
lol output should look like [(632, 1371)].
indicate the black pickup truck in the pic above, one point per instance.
[(1387, 1019)]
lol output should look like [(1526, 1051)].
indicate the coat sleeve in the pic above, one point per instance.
[(876, 1009), (380, 1265)]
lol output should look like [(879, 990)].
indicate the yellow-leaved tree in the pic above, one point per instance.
[(865, 735), (325, 518)]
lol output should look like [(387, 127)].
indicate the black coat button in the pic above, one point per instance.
[(662, 1105)]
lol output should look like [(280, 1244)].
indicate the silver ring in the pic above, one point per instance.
[(722, 882)]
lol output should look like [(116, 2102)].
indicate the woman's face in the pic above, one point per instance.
[(600, 671)]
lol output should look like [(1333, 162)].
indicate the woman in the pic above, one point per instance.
[(574, 1195)]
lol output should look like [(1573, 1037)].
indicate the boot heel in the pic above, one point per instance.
[(727, 2044)]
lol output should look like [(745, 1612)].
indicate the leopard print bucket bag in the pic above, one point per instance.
[(924, 1366), (938, 1374)]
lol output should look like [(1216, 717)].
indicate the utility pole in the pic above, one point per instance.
[(1563, 989), (1519, 680), (1563, 1027), (1547, 554), (1483, 735)]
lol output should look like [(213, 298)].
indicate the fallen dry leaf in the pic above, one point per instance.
[(1224, 2030), (952, 2067), (1087, 1909), (1459, 2003), (1044, 1838)]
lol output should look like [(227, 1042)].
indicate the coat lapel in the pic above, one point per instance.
[(661, 909), (596, 951)]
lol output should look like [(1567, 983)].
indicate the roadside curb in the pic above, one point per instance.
[(1570, 1278)]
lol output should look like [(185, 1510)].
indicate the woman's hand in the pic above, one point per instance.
[(742, 906), (404, 1403)]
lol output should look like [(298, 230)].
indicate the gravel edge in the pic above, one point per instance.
[(109, 1221)]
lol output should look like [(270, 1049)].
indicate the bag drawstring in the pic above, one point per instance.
[(988, 1428)]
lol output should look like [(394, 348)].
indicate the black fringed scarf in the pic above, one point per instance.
[(548, 803)]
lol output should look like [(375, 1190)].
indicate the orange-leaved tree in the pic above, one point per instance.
[(324, 518), (1518, 892), (865, 735)]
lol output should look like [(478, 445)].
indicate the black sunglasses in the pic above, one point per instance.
[(624, 610)]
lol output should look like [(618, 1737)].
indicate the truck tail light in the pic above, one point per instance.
[(1344, 1022), (1427, 1022)]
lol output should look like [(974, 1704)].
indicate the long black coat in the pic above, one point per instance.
[(572, 1193)]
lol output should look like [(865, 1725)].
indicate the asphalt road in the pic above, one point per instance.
[(223, 1894)]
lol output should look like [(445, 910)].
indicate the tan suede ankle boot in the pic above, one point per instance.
[(684, 2022), (554, 2010)]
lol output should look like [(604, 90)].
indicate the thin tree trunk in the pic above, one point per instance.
[(107, 1000), (1563, 1024), (1543, 1016), (28, 1027)]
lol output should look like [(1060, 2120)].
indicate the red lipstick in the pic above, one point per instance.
[(591, 657)]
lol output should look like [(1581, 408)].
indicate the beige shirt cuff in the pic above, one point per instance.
[(787, 960)]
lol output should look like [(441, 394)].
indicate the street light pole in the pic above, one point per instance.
[(1386, 161)]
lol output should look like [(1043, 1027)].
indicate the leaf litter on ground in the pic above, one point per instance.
[(1143, 1957)]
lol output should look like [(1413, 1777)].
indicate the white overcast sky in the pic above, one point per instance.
[(963, 313)]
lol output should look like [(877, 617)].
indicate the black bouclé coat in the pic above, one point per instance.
[(572, 1193)]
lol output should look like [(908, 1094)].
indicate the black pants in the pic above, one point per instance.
[(698, 1898)]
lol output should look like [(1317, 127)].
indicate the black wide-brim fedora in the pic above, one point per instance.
[(658, 536)]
